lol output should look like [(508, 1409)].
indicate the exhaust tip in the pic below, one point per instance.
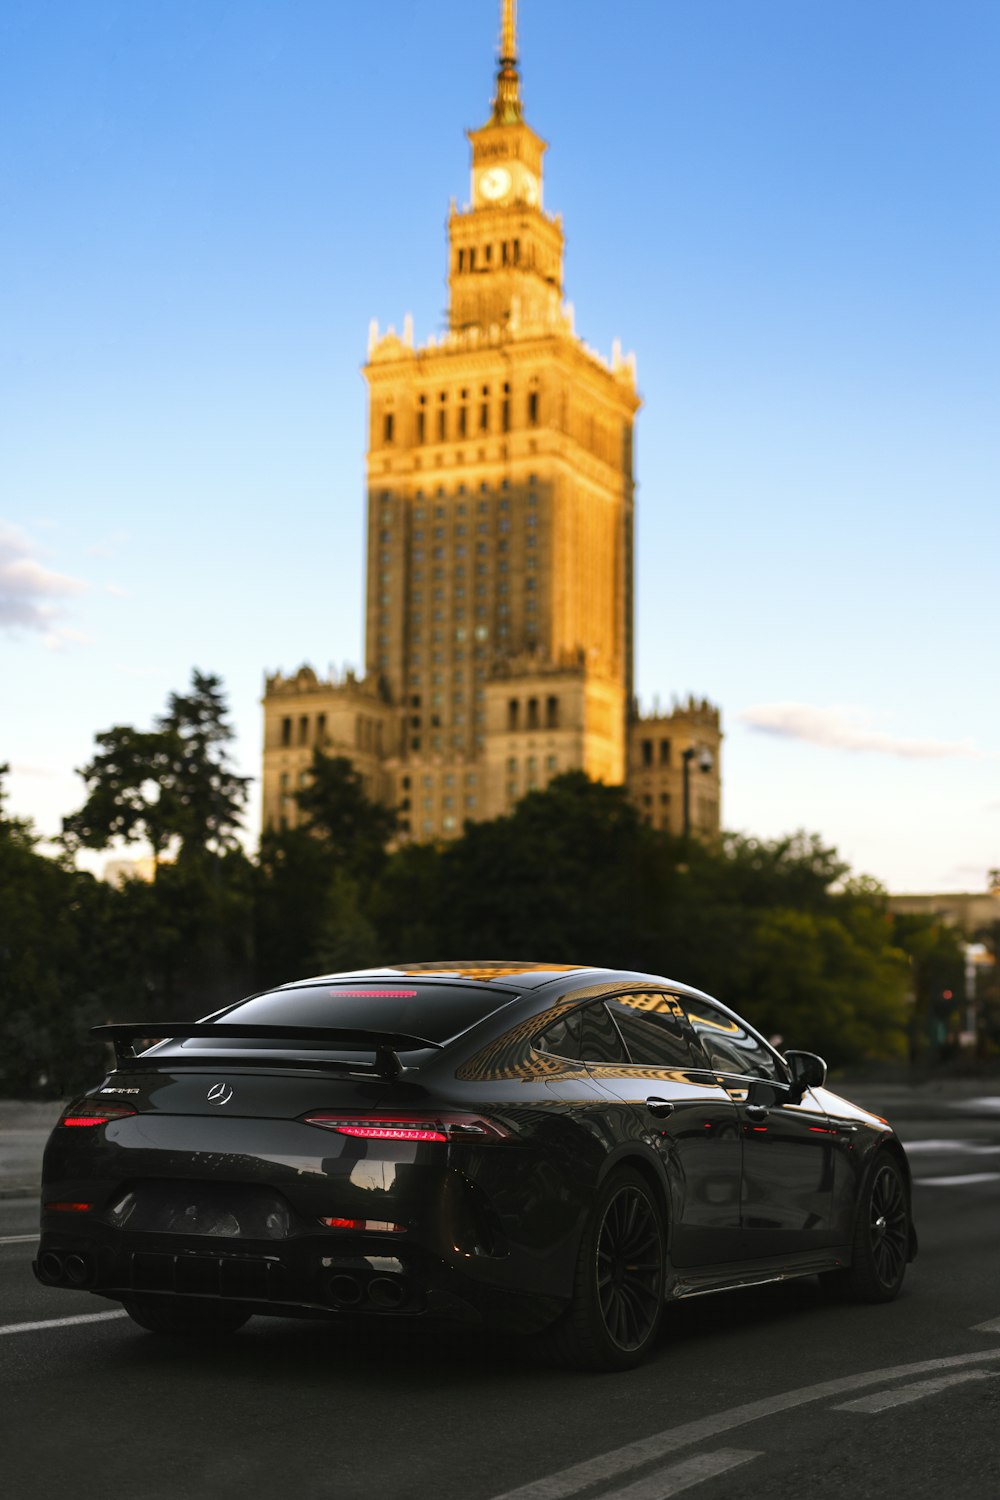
[(51, 1266), (344, 1291), (385, 1293), (77, 1268)]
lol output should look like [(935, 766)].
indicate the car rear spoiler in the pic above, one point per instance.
[(385, 1044)]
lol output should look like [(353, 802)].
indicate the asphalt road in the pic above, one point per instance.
[(776, 1391)]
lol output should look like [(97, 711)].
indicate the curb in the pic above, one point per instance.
[(22, 1190)]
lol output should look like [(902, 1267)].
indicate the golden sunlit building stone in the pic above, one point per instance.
[(499, 647)]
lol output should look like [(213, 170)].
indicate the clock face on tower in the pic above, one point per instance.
[(494, 183)]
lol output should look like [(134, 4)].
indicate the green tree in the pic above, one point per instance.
[(346, 938), (209, 797), (130, 792), (826, 986), (314, 883), (185, 941), (937, 982), (52, 983), (335, 808), (172, 786), (570, 875), (290, 904)]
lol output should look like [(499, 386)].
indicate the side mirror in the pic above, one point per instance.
[(808, 1071)]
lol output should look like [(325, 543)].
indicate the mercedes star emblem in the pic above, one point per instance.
[(220, 1093)]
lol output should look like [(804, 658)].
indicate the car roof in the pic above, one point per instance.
[(519, 974), (527, 974)]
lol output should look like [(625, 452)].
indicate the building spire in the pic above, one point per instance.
[(507, 103)]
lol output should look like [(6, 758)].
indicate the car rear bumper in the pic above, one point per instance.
[(313, 1276)]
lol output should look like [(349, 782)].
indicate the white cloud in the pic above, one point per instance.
[(31, 595), (840, 728)]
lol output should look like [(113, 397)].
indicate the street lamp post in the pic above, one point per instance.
[(705, 763)]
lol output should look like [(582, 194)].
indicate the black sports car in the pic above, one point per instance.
[(539, 1147)]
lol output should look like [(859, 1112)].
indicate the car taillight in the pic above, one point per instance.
[(412, 1125), (379, 1226), (68, 1208), (95, 1114)]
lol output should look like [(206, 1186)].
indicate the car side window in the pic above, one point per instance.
[(562, 1038), (600, 1041), (730, 1047), (653, 1029)]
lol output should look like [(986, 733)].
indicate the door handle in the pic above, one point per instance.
[(757, 1111), (659, 1107)]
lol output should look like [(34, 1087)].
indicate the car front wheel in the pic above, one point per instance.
[(188, 1317), (882, 1232), (617, 1305)]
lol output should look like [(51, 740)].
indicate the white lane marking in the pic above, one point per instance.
[(966, 1148), (663, 1483), (965, 1180), (611, 1465), (882, 1400), (63, 1322), (992, 1326), (17, 1239)]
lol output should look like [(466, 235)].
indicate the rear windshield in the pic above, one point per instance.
[(434, 1011)]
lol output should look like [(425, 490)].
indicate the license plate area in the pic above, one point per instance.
[(238, 1211)]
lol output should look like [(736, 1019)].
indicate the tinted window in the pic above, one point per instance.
[(652, 1029), (436, 1012), (599, 1038), (562, 1038), (730, 1047)]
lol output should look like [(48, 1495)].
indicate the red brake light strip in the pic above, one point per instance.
[(98, 1115), (377, 1226), (376, 1132), (375, 994), (388, 1125)]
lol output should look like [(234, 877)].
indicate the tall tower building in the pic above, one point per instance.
[(499, 635)]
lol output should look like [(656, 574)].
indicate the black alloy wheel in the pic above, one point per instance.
[(188, 1317), (889, 1226), (881, 1237), (617, 1305)]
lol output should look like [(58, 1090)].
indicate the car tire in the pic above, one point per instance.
[(187, 1317), (614, 1317), (882, 1237)]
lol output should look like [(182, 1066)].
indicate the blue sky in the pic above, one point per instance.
[(787, 208)]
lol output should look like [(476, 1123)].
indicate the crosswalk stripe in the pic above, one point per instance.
[(965, 1180), (682, 1476), (63, 1322), (901, 1395)]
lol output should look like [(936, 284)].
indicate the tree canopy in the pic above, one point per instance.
[(172, 786)]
